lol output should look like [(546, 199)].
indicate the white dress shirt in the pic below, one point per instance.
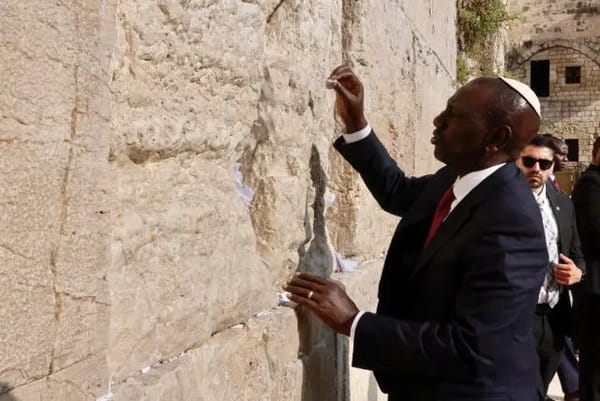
[(462, 186), (550, 291)]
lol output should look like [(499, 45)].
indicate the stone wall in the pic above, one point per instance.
[(167, 164), (572, 111), (567, 33), (548, 20)]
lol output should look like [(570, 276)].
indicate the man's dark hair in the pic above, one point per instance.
[(558, 145), (543, 141)]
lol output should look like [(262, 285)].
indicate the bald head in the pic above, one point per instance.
[(507, 108), (485, 123)]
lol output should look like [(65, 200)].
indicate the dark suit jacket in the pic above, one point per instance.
[(586, 199), (453, 320), (569, 245)]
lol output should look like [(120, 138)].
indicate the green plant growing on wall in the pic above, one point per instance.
[(462, 69), (478, 21)]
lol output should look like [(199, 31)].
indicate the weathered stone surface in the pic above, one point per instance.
[(564, 19), (360, 284), (184, 266), (566, 34), (84, 381), (55, 111), (167, 164), (257, 361)]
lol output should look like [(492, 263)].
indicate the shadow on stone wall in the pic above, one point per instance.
[(323, 353), (4, 395)]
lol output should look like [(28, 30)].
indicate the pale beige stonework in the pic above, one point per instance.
[(167, 164), (567, 33)]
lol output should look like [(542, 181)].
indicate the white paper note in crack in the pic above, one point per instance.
[(345, 265), (105, 397), (245, 192)]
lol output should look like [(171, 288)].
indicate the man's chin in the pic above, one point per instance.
[(535, 184)]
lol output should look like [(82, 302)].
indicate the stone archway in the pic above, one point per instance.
[(517, 56)]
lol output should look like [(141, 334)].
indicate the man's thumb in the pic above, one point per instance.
[(343, 91)]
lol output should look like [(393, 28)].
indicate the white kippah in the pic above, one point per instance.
[(525, 92)]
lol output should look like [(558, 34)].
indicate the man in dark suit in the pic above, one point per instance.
[(553, 318), (586, 198), (463, 271)]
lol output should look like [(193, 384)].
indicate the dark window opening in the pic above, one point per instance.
[(573, 145), (540, 77), (573, 75)]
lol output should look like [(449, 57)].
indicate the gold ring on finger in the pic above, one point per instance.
[(310, 294)]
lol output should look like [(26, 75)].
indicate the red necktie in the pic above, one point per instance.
[(441, 212)]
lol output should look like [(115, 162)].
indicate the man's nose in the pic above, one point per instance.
[(437, 121)]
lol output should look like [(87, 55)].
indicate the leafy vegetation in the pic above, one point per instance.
[(478, 22)]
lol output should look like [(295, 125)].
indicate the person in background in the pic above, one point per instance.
[(568, 369), (553, 317), (561, 152), (586, 199), (464, 268)]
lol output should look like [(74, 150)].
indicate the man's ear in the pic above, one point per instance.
[(499, 139)]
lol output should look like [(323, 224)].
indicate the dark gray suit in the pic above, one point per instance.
[(586, 198), (454, 319), (552, 325)]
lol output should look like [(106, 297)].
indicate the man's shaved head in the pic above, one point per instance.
[(508, 107), (486, 122)]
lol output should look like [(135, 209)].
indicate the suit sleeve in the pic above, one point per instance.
[(575, 252), (503, 272), (594, 212), (393, 190)]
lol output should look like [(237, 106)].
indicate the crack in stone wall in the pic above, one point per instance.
[(63, 215), (321, 349)]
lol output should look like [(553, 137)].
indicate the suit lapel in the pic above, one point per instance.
[(427, 202), (462, 212)]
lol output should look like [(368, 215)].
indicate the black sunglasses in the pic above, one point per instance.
[(529, 162)]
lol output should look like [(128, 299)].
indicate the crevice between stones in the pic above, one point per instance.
[(64, 209), (322, 351), (272, 13), (12, 251)]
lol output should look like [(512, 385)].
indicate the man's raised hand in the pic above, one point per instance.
[(349, 100)]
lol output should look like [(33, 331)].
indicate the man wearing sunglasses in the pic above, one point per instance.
[(553, 318)]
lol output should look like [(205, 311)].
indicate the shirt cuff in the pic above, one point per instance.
[(354, 324), (358, 135)]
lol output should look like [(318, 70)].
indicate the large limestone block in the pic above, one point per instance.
[(184, 262), (293, 128), (199, 88), (29, 235), (256, 361), (84, 381), (185, 77), (54, 104)]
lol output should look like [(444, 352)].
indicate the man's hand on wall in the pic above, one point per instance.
[(324, 298), (349, 99), (565, 272)]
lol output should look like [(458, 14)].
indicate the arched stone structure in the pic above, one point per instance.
[(571, 110), (518, 56)]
